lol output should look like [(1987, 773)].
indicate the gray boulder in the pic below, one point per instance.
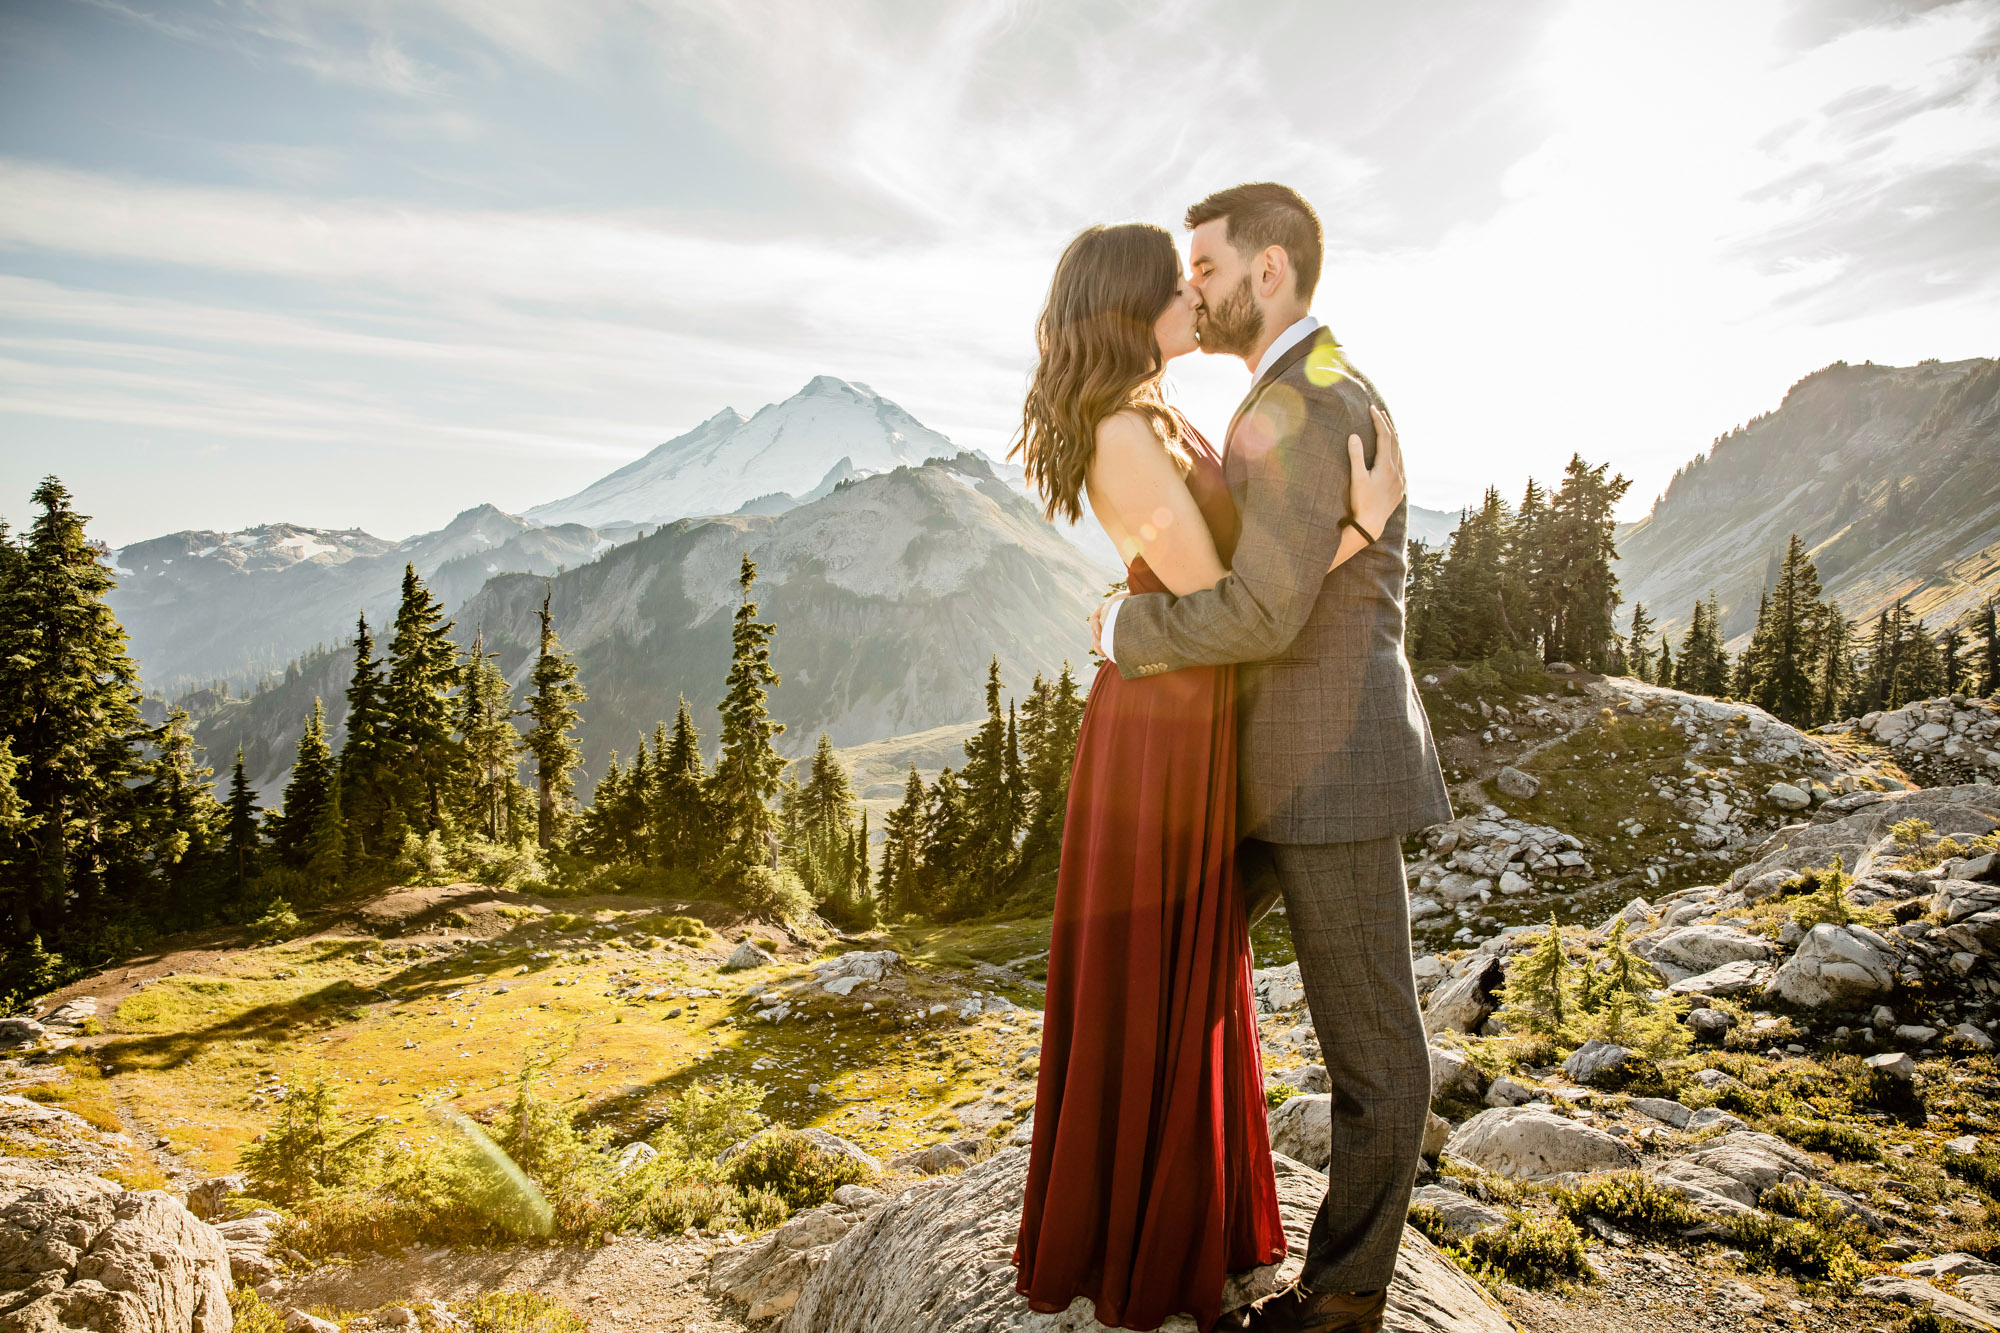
[(746, 955), (1454, 1075), (1787, 797), (1306, 1078), (1692, 950), (934, 1259), (1754, 1161), (1744, 977), (1463, 1215), (1521, 786), (1465, 1002), (1835, 967), (767, 1275), (1302, 1129), (1534, 1142), (82, 1254), (20, 1032), (1597, 1060), (1664, 1109)]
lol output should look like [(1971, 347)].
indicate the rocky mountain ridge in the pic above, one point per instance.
[(1890, 474), (890, 595)]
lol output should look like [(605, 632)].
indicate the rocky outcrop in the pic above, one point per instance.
[(767, 1275), (1835, 966), (1535, 1142), (1944, 741), (935, 1259), (1302, 1129), (83, 1254)]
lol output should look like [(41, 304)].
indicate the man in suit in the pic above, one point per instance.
[(1337, 761)]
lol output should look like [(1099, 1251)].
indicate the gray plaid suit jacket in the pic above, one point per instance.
[(1335, 746)]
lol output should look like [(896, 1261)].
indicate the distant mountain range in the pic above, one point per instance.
[(890, 595), (1890, 474)]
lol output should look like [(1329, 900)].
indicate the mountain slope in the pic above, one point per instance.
[(826, 432), (1890, 474), (890, 595), (201, 606)]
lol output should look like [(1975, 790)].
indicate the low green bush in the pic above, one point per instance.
[(1981, 1170), (775, 895), (1799, 1249), (1277, 1094), (1631, 1201), (1529, 1251), (786, 1163), (1847, 1142)]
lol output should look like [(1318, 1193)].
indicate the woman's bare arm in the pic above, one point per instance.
[(1142, 500)]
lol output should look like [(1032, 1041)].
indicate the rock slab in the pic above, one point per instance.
[(935, 1259), (82, 1254)]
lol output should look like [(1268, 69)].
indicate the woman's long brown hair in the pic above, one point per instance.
[(1098, 356)]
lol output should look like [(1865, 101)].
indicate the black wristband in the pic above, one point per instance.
[(1366, 535)]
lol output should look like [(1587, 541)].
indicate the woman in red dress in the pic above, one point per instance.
[(1150, 1176)]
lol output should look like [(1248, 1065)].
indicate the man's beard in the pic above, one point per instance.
[(1232, 327)]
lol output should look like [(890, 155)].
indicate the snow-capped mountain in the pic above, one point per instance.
[(202, 606), (827, 432)]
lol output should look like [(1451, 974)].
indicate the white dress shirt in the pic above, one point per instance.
[(1284, 342)]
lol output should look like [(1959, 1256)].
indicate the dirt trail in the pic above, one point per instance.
[(632, 1285)]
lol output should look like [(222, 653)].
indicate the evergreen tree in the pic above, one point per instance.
[(180, 821), (552, 705), (1834, 682), (823, 850), (942, 849), (1424, 624), (748, 771), (494, 801), (599, 835), (69, 709), (1541, 989), (1471, 603), (307, 835), (1784, 671), (681, 820), (1751, 661), (1703, 667), (900, 884), (1639, 659), (242, 839), (368, 784), (1987, 627), (1951, 649), (423, 669), (1578, 546), (1050, 719), (1664, 670), (987, 841), (1528, 596)]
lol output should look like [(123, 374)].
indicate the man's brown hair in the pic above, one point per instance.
[(1262, 214)]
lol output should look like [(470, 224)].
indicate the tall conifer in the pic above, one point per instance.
[(423, 670), (367, 781), (555, 751), (308, 834), (242, 839), (748, 772)]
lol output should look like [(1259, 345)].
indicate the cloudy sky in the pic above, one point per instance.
[(369, 262)]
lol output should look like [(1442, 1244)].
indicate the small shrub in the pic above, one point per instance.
[(1631, 1201), (1430, 1223), (709, 1206), (279, 922), (1927, 1321), (1277, 1094), (254, 1314), (309, 1146), (1825, 901), (1981, 1170), (682, 927), (788, 1164), (1530, 1251), (422, 860), (1848, 1143), (520, 1312), (1910, 832), (1796, 1248), (775, 895)]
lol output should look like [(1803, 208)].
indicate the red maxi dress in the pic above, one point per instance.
[(1150, 1175)]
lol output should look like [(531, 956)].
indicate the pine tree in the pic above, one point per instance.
[(367, 781), (1471, 594), (1639, 659), (423, 669), (1664, 670), (179, 819), (1528, 595), (1540, 993), (599, 833), (823, 847), (682, 822), (1050, 719), (307, 835), (242, 839), (552, 705), (492, 794), (1704, 664), (748, 771), (1784, 664), (1581, 591), (1834, 682), (69, 710), (988, 838), (900, 883), (942, 845), (1951, 649), (1988, 628), (1424, 625)]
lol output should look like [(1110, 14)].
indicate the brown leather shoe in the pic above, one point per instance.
[(1296, 1310)]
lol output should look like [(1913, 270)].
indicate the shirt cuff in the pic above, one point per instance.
[(1110, 625)]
